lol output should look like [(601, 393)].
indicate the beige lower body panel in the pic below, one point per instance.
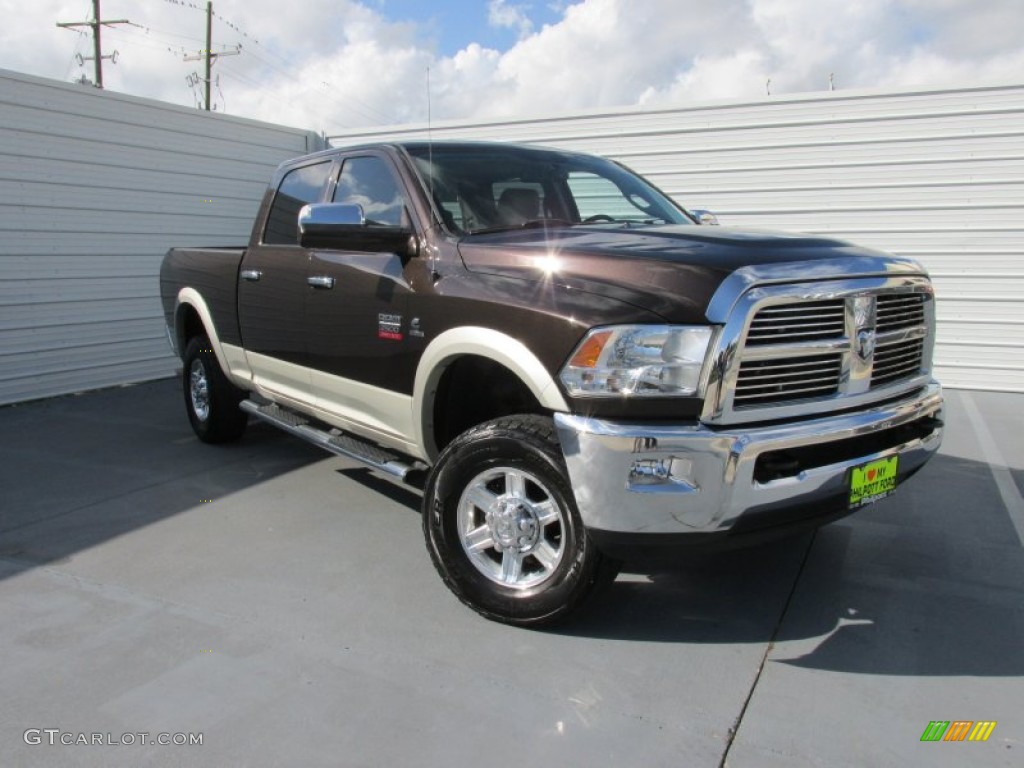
[(371, 412)]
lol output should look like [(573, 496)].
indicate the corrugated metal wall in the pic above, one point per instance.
[(937, 175), (94, 188)]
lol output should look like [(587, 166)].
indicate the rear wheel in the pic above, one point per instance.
[(502, 527), (210, 399)]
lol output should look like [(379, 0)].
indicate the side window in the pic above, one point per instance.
[(298, 187), (368, 182)]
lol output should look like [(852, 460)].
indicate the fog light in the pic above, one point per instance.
[(670, 473)]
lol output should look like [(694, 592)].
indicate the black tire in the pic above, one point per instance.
[(502, 528), (211, 401)]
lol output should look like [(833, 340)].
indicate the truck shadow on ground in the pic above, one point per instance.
[(76, 471), (910, 586)]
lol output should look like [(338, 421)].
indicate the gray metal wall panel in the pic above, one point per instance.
[(94, 188), (935, 174)]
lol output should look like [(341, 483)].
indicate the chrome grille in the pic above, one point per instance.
[(801, 340), (797, 351)]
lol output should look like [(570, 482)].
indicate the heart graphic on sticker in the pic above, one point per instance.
[(871, 475)]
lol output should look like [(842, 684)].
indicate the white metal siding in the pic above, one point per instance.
[(94, 188), (937, 175)]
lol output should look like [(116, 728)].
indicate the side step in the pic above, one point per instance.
[(333, 440)]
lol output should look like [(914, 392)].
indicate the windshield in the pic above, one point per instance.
[(487, 188)]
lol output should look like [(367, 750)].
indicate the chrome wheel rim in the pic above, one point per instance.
[(511, 527), (199, 390)]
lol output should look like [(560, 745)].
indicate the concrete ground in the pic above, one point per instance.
[(279, 602)]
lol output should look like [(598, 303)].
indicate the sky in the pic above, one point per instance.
[(337, 65)]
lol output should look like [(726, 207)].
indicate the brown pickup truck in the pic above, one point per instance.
[(573, 368)]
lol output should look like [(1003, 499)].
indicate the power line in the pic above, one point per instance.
[(97, 23), (237, 29), (195, 7), (366, 109), (157, 33), (149, 42), (82, 34), (287, 64), (266, 56)]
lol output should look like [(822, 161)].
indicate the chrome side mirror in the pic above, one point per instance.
[(344, 227), (705, 217)]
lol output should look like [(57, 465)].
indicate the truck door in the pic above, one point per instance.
[(357, 332), (272, 288)]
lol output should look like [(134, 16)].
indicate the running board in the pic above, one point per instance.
[(334, 440)]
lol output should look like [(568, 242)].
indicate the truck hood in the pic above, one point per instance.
[(672, 270)]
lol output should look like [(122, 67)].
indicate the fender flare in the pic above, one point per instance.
[(192, 298), (479, 342)]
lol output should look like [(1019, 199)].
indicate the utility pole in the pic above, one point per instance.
[(97, 48), (208, 54), (209, 48)]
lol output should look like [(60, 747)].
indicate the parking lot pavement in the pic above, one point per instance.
[(278, 603)]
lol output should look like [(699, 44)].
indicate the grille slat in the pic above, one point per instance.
[(821, 382), (896, 356), (768, 367), (883, 371), (791, 332), (791, 394), (750, 376), (772, 374), (893, 377)]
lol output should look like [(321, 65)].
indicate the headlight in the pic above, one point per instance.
[(639, 361)]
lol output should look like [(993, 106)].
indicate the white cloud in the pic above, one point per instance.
[(502, 14), (333, 64)]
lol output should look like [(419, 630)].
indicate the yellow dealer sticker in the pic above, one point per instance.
[(872, 481)]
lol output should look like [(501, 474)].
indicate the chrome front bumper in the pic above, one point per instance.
[(667, 479)]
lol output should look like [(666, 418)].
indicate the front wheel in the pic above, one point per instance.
[(502, 527), (210, 399)]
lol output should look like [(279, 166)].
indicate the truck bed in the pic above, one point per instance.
[(213, 272)]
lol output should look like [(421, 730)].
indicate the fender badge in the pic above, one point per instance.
[(389, 327)]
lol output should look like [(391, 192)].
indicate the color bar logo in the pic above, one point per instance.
[(958, 730)]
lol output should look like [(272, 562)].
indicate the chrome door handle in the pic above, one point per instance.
[(252, 275), (320, 281)]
